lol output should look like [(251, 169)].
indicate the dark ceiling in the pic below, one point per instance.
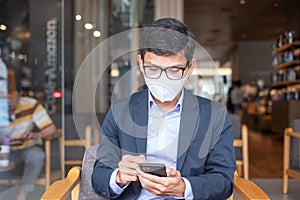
[(15, 15), (219, 24)]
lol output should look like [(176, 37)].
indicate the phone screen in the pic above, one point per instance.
[(157, 169)]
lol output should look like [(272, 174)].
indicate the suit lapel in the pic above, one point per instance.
[(188, 126), (139, 112)]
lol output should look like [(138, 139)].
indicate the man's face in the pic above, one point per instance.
[(151, 59), (165, 75)]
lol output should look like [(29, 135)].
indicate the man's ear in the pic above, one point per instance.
[(140, 62), (192, 65)]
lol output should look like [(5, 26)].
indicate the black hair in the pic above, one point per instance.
[(167, 36)]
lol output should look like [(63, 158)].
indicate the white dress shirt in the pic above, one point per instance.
[(162, 144)]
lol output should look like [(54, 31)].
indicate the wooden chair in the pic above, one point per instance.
[(243, 164), (49, 175), (77, 184), (91, 137), (288, 152), (240, 132)]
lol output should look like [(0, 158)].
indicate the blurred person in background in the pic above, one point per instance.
[(29, 123), (236, 96)]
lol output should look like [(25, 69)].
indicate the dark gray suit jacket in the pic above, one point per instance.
[(205, 150)]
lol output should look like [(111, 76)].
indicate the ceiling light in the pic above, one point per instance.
[(242, 2), (97, 34), (78, 17), (276, 5), (114, 72), (3, 27), (88, 26)]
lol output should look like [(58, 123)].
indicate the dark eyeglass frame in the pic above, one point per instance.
[(186, 66)]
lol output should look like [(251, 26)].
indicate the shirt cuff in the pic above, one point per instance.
[(188, 193), (113, 185)]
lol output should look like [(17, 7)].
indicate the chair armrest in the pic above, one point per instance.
[(248, 189), (55, 135), (61, 189), (292, 133)]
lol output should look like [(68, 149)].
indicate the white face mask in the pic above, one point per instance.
[(163, 88)]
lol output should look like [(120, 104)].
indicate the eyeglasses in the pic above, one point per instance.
[(173, 72)]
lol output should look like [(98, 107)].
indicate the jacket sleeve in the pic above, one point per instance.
[(217, 180), (108, 156)]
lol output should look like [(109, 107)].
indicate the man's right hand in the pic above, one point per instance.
[(127, 169)]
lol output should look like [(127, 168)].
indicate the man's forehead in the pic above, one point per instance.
[(150, 56)]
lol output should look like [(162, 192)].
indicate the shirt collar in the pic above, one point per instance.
[(151, 102)]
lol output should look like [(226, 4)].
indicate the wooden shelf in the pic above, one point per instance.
[(285, 83), (287, 64), (286, 46)]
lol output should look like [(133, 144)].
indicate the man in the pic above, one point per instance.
[(25, 114), (191, 135)]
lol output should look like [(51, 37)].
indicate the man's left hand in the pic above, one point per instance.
[(173, 185), (30, 135)]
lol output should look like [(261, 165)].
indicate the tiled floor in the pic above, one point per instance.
[(12, 192), (266, 165), (265, 155)]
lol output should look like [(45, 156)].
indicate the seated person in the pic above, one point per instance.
[(25, 114), (165, 123)]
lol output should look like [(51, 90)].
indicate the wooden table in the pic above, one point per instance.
[(10, 166)]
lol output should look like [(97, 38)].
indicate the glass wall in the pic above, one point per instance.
[(31, 45), (75, 57)]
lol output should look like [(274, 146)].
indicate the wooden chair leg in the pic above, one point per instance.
[(62, 158), (245, 152), (286, 158), (47, 163)]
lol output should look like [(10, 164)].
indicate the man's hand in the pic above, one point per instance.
[(30, 135), (173, 185), (20, 139), (127, 169)]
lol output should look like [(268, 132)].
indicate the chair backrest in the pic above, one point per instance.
[(240, 133), (86, 191), (79, 135), (295, 146), (291, 163)]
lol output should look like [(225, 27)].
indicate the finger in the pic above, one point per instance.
[(155, 188), (134, 159), (152, 178), (125, 165), (26, 134), (131, 162), (171, 172), (128, 178), (142, 158)]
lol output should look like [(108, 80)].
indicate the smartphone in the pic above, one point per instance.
[(157, 169)]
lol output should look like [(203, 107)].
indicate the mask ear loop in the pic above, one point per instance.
[(188, 66)]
